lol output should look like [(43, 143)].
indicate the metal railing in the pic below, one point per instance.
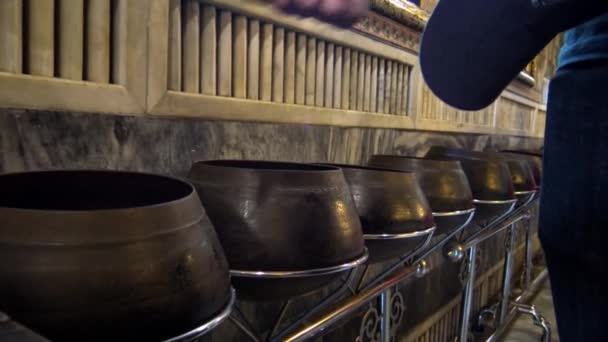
[(506, 309), (351, 295), (338, 306)]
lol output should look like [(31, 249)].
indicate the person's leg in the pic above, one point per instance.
[(579, 300), (574, 202)]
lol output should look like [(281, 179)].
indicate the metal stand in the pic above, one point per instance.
[(304, 273), (362, 288), (528, 266), (505, 221), (505, 310), (537, 319), (385, 316), (399, 263), (519, 307), (348, 305), (331, 298), (467, 293), (208, 326), (334, 307), (15, 332), (507, 275), (530, 287)]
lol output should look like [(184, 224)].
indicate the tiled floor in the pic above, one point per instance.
[(523, 330)]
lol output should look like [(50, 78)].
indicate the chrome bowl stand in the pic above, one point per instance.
[(354, 292), (503, 312), (426, 232), (239, 319), (207, 326), (190, 335), (303, 273)]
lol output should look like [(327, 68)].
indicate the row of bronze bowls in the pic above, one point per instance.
[(92, 255)]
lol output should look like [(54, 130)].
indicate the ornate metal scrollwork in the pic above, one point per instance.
[(369, 330), (397, 312), (370, 326)]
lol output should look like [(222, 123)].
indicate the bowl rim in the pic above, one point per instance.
[(191, 192), (210, 324), (399, 236), (248, 165), (359, 260), (370, 168), (453, 212), (434, 160)]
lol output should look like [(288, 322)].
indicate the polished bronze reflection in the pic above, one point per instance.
[(443, 182), (394, 213), (489, 177), (522, 175), (106, 256), (287, 228), (535, 162)]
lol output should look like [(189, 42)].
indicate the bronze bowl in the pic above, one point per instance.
[(443, 182), (535, 162), (490, 180), (522, 175), (394, 213), (109, 255), (288, 228)]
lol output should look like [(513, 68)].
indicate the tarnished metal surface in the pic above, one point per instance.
[(394, 212), (273, 216), (444, 183), (106, 255), (347, 306), (535, 162), (489, 177)]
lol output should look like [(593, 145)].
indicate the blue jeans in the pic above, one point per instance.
[(574, 202)]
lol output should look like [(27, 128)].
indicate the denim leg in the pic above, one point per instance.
[(574, 201)]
